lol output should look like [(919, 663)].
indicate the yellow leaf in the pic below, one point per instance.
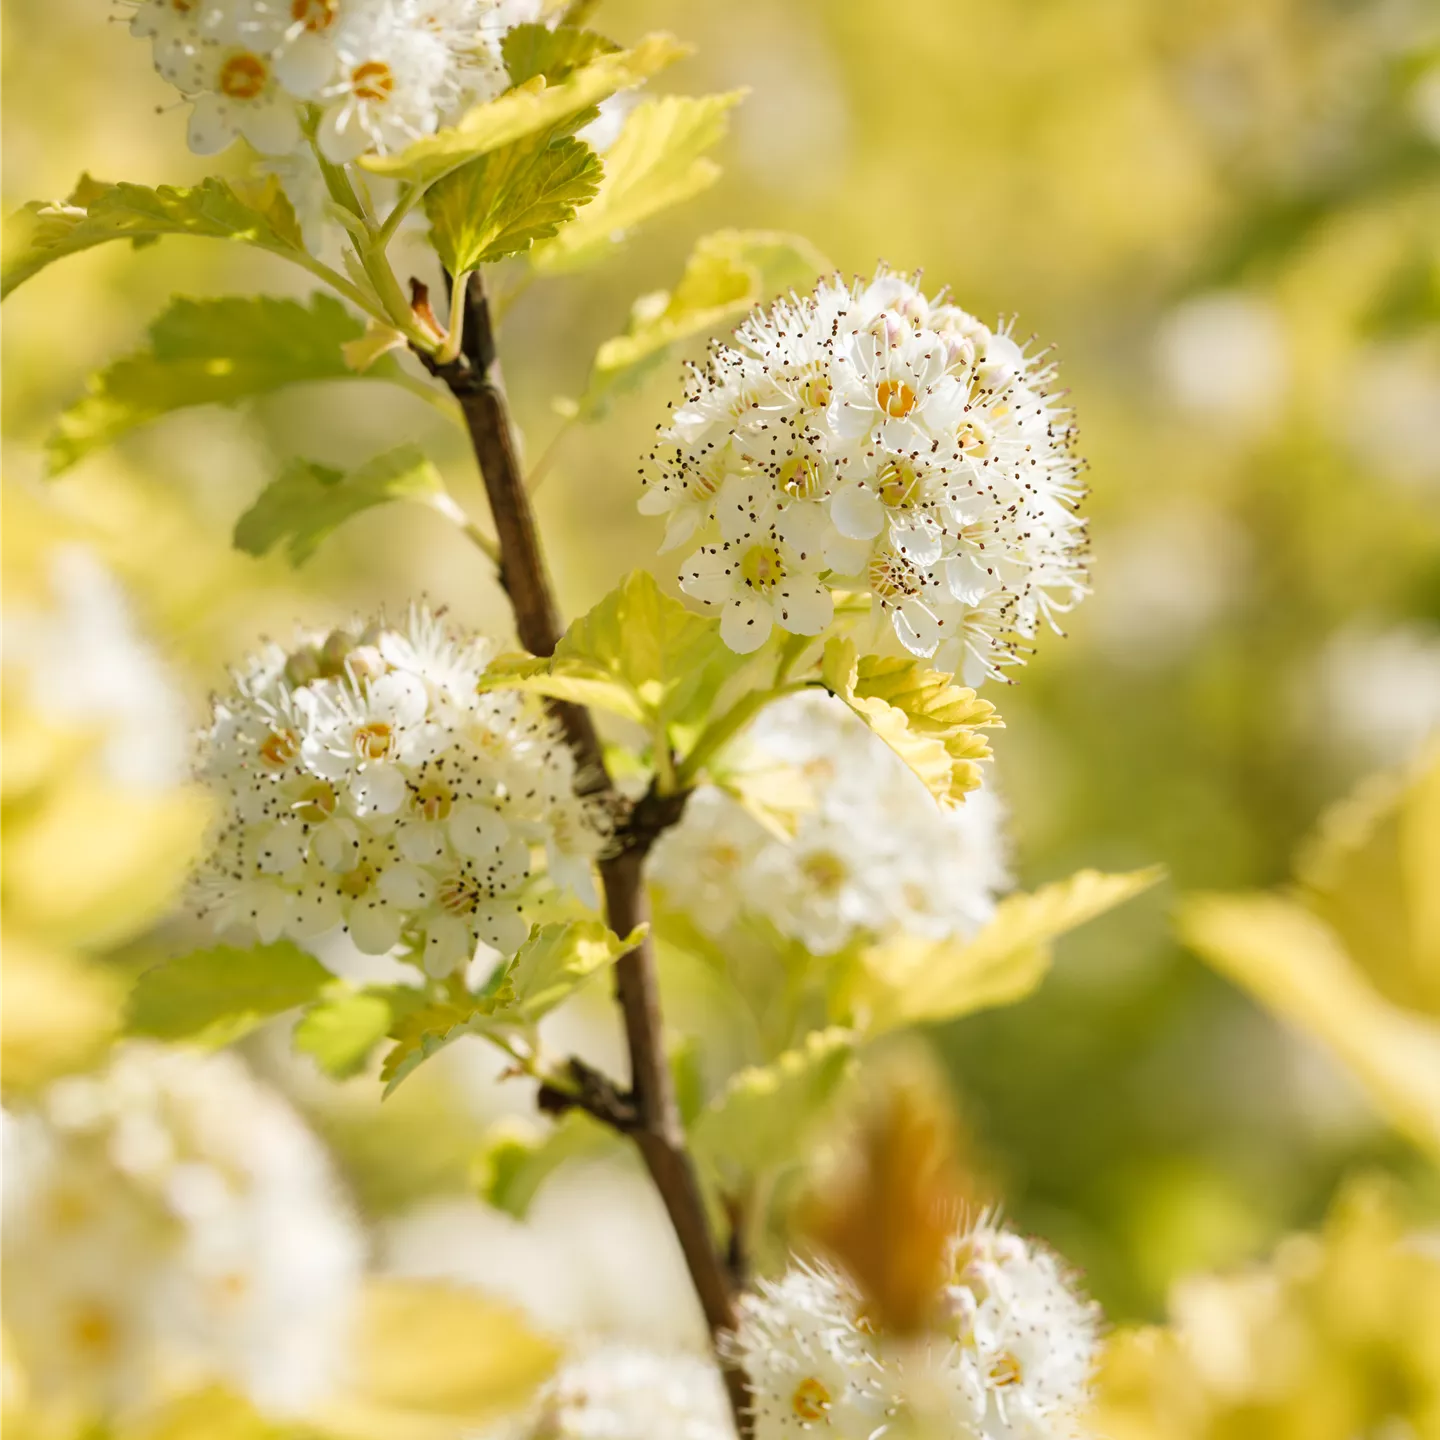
[(527, 108), (1296, 964), (655, 162), (432, 1360), (911, 980), (930, 722)]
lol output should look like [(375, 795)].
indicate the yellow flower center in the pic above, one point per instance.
[(432, 800), (356, 882), (280, 747), (374, 80), (93, 1330), (243, 76), (891, 577), (898, 482), (811, 1400), (825, 870), (182, 7), (815, 391), (459, 896), (374, 741), (895, 398), (317, 802), (800, 477), (1005, 1371), (762, 568), (314, 15), (972, 439), (703, 483)]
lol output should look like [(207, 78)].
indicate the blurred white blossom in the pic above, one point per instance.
[(1223, 356)]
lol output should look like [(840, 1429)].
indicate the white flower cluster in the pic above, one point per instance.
[(365, 782), (621, 1392), (379, 73), (169, 1224), (1012, 1362), (871, 439), (873, 854)]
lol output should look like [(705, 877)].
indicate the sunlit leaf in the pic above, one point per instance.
[(1297, 965), (215, 996), (44, 232), (340, 1032), (656, 161), (309, 501), (638, 653), (759, 1120), (531, 50), (727, 274), (432, 1361), (207, 352), (516, 1162), (931, 723), (501, 203), (525, 110), (911, 980)]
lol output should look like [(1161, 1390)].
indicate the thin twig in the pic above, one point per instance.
[(649, 1113)]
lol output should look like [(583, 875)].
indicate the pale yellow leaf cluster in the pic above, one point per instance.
[(1352, 953)]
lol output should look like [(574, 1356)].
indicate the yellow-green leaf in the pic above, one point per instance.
[(931, 723), (728, 273), (759, 1120), (308, 501), (911, 980), (341, 1031), (500, 203), (531, 50), (214, 996), (555, 961), (207, 352), (517, 1160), (432, 1361), (638, 653), (656, 161), (528, 108), (43, 232), (1298, 966)]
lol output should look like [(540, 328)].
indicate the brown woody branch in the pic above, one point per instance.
[(648, 1113)]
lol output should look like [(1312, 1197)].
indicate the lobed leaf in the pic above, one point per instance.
[(531, 107), (638, 653), (759, 1120), (43, 232), (309, 501), (215, 996), (655, 162), (911, 980), (340, 1032), (500, 203), (207, 352), (531, 50), (931, 723), (727, 274)]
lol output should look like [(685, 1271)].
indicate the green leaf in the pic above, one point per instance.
[(728, 274), (552, 964), (215, 996), (207, 352), (555, 961), (655, 162), (43, 232), (531, 50), (516, 1162), (638, 653), (911, 980), (931, 723), (341, 1032), (759, 1120), (501, 203), (525, 110), (308, 501)]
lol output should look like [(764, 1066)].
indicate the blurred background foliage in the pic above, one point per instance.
[(1224, 213)]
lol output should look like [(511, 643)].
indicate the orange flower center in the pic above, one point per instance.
[(315, 15), (279, 749), (811, 1400), (800, 477), (243, 76), (1005, 1371), (459, 896), (374, 80), (374, 741), (93, 1330), (895, 398)]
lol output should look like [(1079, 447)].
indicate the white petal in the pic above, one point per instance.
[(902, 437), (374, 928), (802, 607), (212, 125), (405, 886), (421, 841), (683, 523), (476, 830), (399, 698), (305, 66), (272, 128), (848, 557), (502, 927), (915, 538), (340, 136), (271, 907), (510, 868), (745, 625), (710, 576), (282, 849), (448, 946), (743, 506), (858, 513), (916, 627), (336, 844), (804, 526), (379, 788), (966, 579), (313, 912)]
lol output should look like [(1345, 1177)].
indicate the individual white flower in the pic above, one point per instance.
[(872, 854), (810, 1359), (170, 1224), (906, 449), (366, 782), (82, 662), (620, 1392), (241, 96), (1025, 1342)]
